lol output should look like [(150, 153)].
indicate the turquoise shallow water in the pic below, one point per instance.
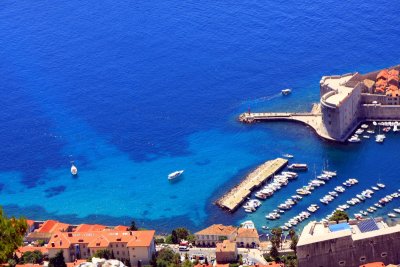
[(135, 90)]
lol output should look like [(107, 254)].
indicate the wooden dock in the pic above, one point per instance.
[(232, 199)]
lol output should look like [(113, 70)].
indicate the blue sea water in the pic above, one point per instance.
[(133, 90)]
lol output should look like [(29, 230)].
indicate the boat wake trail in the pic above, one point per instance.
[(259, 100)]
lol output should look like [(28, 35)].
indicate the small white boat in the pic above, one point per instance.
[(74, 170), (366, 136), (289, 156), (392, 215), (286, 91), (354, 139), (371, 131), (174, 175), (381, 185), (364, 126)]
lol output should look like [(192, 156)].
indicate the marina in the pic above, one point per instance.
[(234, 197)]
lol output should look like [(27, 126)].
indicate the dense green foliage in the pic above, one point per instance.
[(12, 232), (339, 215), (289, 260), (133, 226), (32, 257), (103, 254), (166, 257), (179, 234), (57, 260)]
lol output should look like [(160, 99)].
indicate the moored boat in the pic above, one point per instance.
[(175, 174), (74, 170)]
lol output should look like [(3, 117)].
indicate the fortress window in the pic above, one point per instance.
[(363, 258), (383, 254), (342, 263)]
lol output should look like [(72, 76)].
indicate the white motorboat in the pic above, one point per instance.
[(381, 185), (359, 131), (175, 174), (366, 136), (289, 156), (74, 170), (392, 215), (298, 167), (370, 131), (397, 210), (286, 91), (375, 188), (364, 126), (354, 139)]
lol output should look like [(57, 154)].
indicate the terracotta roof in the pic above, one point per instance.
[(226, 246), (30, 223), (52, 226), (121, 228), (383, 74), (373, 264), (22, 250), (101, 238), (222, 265), (217, 229), (75, 263), (90, 227), (245, 232)]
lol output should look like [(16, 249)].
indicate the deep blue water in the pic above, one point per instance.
[(133, 90)]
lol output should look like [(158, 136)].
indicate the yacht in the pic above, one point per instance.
[(354, 139), (74, 170), (381, 185), (298, 167), (175, 174), (286, 91)]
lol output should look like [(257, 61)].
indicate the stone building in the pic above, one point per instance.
[(348, 244), (214, 234), (135, 247), (226, 252)]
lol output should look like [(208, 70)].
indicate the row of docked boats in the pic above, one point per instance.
[(301, 192), (251, 205), (379, 138), (277, 183)]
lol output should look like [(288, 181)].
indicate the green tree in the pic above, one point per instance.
[(274, 252), (12, 262), (339, 215), (32, 257), (182, 233), (187, 263), (57, 260), (166, 257), (12, 232), (292, 233), (293, 244), (133, 226), (174, 237), (103, 254)]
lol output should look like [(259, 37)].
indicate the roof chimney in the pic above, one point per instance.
[(60, 242), (52, 244)]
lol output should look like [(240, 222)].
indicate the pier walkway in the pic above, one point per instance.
[(232, 199), (312, 119)]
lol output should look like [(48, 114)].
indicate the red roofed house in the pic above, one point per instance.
[(134, 246), (46, 229), (214, 234), (90, 227), (22, 250), (121, 228)]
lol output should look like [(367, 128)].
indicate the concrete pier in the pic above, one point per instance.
[(232, 199), (312, 119)]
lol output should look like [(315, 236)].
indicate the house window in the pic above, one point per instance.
[(122, 245), (363, 258), (111, 246), (116, 245), (342, 263), (383, 254)]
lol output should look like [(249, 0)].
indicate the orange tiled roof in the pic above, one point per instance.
[(22, 250), (52, 226), (101, 238), (121, 228), (90, 227), (245, 232), (373, 264), (383, 74), (222, 265), (30, 223), (217, 229), (75, 263), (226, 246)]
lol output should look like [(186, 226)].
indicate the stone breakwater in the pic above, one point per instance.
[(234, 197)]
